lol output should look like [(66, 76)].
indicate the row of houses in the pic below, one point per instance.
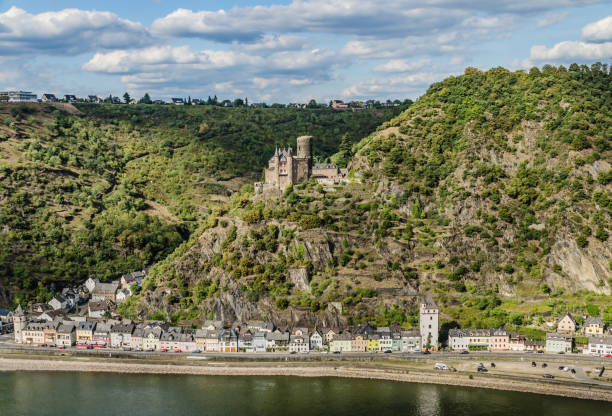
[(92, 299), (499, 339), (256, 336), (357, 105), (213, 337)]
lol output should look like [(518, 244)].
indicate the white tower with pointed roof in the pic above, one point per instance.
[(428, 320)]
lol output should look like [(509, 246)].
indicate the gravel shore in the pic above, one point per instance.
[(294, 370)]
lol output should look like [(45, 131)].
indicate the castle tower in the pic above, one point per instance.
[(428, 320), (19, 323), (304, 147)]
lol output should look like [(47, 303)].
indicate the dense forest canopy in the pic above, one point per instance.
[(113, 188)]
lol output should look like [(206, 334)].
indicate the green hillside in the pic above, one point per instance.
[(106, 189), (492, 192)]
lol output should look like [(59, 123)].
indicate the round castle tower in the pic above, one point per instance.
[(304, 147)]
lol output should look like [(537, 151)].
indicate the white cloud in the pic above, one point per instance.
[(600, 31), (67, 32), (143, 60), (229, 71), (551, 19), (351, 17), (410, 85), (571, 50), (402, 65), (274, 43)]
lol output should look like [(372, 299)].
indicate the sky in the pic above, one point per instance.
[(286, 51)]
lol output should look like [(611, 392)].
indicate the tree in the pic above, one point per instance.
[(345, 151), (126, 98), (428, 343), (238, 102), (146, 99), (312, 104)]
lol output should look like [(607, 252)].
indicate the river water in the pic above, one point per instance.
[(92, 394)]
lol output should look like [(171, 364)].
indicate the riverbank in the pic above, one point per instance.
[(319, 369)]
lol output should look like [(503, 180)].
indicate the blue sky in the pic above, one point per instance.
[(286, 51)]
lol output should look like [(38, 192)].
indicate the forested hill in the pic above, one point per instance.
[(107, 189), (492, 192)]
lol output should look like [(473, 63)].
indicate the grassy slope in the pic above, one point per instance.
[(110, 189)]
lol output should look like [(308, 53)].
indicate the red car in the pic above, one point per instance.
[(608, 356), (178, 351), (164, 350), (61, 347)]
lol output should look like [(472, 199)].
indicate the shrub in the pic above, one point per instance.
[(282, 303)]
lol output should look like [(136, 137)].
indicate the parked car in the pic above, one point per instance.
[(61, 347), (561, 367), (482, 370), (573, 371), (492, 365), (608, 356), (163, 350), (323, 352), (196, 351), (178, 350), (441, 366), (292, 352), (127, 348), (464, 352), (548, 376), (540, 352), (533, 364), (336, 352), (387, 351), (561, 352), (544, 365), (426, 352), (90, 347)]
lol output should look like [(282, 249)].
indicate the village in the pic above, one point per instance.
[(84, 318)]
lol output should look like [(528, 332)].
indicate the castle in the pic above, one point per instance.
[(286, 169)]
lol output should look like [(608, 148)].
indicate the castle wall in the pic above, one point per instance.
[(327, 172), (301, 168)]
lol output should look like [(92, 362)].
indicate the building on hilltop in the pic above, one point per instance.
[(285, 168), (18, 97), (339, 105), (48, 98)]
